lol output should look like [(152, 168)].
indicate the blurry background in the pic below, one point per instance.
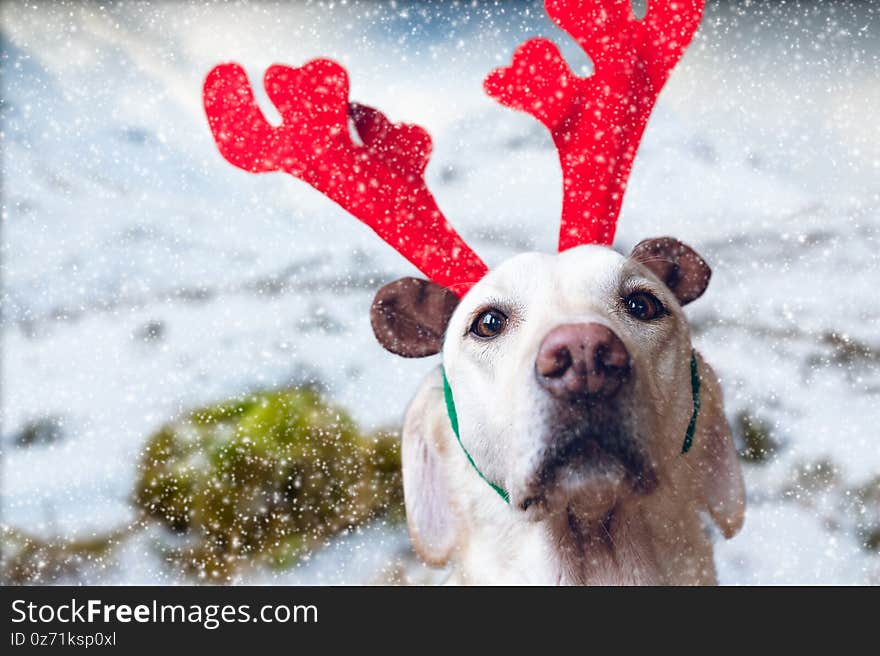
[(173, 329)]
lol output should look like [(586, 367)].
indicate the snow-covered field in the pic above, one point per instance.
[(143, 275)]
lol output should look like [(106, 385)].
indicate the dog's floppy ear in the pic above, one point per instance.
[(720, 474), (430, 517), (409, 316), (676, 264)]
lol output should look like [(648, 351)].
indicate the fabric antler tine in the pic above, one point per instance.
[(669, 27), (380, 181), (597, 122)]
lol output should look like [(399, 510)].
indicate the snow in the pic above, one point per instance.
[(120, 218)]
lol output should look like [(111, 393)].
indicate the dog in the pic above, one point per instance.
[(572, 435)]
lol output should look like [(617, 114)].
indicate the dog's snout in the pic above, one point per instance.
[(582, 360)]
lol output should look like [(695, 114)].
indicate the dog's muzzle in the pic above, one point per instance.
[(583, 363)]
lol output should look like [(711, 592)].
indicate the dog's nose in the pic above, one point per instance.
[(582, 360)]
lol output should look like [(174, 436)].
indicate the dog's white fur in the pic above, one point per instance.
[(590, 526)]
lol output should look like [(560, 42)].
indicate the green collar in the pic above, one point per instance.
[(695, 392), (453, 420)]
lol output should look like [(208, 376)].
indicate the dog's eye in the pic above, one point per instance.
[(644, 306), (489, 324)]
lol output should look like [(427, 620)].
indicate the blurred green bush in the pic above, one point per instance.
[(265, 479)]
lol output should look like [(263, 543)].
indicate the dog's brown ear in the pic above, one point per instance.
[(720, 474), (430, 513), (409, 316), (676, 264)]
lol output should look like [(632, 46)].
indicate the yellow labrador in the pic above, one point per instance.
[(572, 435)]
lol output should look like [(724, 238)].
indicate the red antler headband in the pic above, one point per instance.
[(596, 124)]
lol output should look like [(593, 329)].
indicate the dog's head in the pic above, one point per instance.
[(572, 386)]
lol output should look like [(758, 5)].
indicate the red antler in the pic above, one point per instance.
[(597, 122), (380, 182)]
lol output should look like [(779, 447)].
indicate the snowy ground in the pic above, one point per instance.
[(142, 274)]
